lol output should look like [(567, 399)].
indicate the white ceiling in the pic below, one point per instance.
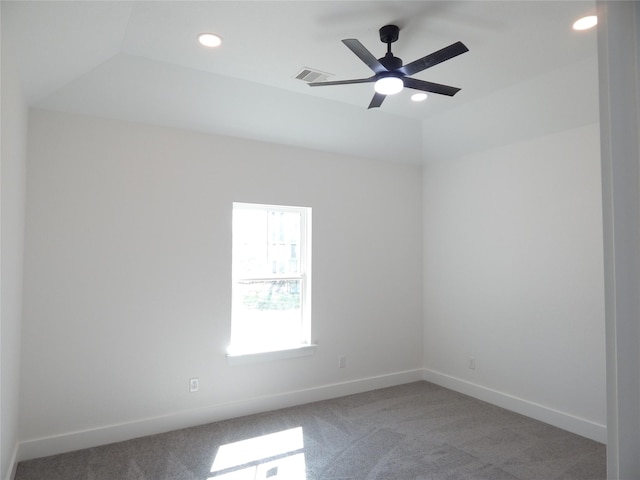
[(140, 61)]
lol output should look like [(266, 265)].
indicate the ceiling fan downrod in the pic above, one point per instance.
[(388, 35)]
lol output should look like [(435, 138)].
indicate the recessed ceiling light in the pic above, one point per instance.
[(419, 97), (210, 39), (585, 23)]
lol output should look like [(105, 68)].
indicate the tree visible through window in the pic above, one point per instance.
[(271, 278)]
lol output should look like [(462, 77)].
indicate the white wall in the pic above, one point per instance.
[(127, 273), (514, 277), (12, 174)]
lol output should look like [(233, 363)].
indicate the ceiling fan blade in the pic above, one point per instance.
[(343, 82), (434, 58), (377, 100), (365, 55), (430, 86)]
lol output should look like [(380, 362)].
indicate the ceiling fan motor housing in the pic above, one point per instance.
[(390, 62)]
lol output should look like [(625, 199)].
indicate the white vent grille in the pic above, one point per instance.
[(310, 75)]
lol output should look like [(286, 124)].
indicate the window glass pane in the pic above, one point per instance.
[(266, 314), (280, 295), (265, 243)]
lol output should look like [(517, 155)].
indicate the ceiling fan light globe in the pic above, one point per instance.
[(389, 85)]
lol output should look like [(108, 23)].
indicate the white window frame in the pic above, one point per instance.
[(237, 355)]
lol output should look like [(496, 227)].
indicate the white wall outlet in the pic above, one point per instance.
[(194, 384), (471, 363), (342, 361)]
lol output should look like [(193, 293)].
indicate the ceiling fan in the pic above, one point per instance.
[(391, 76)]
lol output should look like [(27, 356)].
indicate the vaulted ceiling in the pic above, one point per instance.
[(526, 70)]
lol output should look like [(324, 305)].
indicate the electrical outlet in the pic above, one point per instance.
[(342, 361), (194, 384)]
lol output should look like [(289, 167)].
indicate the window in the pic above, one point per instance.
[(271, 284)]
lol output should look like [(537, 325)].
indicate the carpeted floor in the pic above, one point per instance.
[(410, 432)]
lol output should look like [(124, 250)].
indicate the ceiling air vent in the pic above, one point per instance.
[(310, 75)]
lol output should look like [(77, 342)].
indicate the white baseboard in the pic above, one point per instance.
[(53, 445), (13, 463), (66, 442), (566, 421)]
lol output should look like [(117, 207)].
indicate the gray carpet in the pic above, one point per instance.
[(410, 432)]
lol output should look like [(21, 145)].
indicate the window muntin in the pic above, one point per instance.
[(271, 278)]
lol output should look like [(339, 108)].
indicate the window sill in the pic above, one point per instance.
[(234, 360)]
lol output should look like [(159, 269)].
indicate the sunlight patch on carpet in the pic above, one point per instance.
[(275, 456)]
